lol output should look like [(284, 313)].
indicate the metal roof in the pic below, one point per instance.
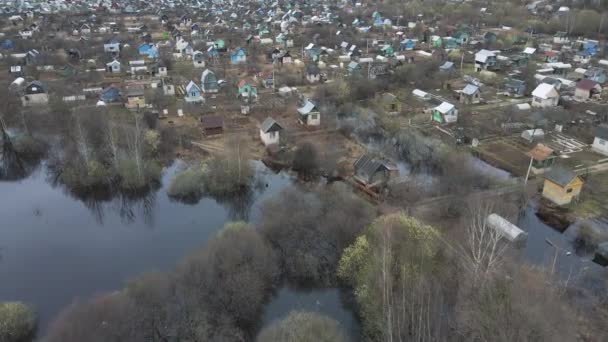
[(601, 132), (560, 176), (270, 125)]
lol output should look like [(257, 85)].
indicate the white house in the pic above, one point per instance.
[(309, 114), (544, 96), (270, 132), (198, 59), (445, 113), (600, 142), (193, 93), (113, 67)]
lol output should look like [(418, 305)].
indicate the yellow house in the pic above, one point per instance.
[(561, 186)]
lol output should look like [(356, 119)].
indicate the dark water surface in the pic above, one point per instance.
[(55, 249)]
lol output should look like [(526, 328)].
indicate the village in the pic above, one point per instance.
[(259, 71), (388, 100)]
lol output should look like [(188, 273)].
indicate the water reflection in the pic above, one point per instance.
[(57, 246), (329, 302)]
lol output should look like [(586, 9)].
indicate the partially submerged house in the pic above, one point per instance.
[(373, 172), (308, 114), (542, 158), (600, 140), (270, 131), (561, 185)]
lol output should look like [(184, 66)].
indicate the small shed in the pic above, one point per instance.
[(270, 132), (212, 124), (561, 185), (542, 158), (374, 172)]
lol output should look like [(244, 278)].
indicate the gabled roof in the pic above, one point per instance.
[(306, 108), (444, 107), (545, 91), (470, 89), (191, 85), (270, 125), (586, 84), (540, 152), (368, 165), (560, 176)]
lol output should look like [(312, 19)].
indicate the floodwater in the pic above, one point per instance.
[(55, 249), (323, 301)]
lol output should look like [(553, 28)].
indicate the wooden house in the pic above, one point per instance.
[(374, 172), (587, 89), (135, 97), (542, 158), (561, 186), (212, 124), (445, 113), (390, 103)]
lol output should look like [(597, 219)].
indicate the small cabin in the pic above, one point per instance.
[(308, 114), (135, 97), (374, 172), (270, 132), (542, 158), (561, 186), (391, 103), (212, 124)]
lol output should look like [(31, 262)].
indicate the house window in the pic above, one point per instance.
[(314, 116), (602, 141), (569, 190), (273, 134)]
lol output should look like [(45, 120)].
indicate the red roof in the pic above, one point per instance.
[(586, 84)]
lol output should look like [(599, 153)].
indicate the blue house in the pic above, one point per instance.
[(110, 94), (238, 56), (149, 50), (596, 74), (7, 45), (407, 44), (591, 47)]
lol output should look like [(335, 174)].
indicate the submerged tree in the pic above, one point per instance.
[(395, 271), (303, 327)]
